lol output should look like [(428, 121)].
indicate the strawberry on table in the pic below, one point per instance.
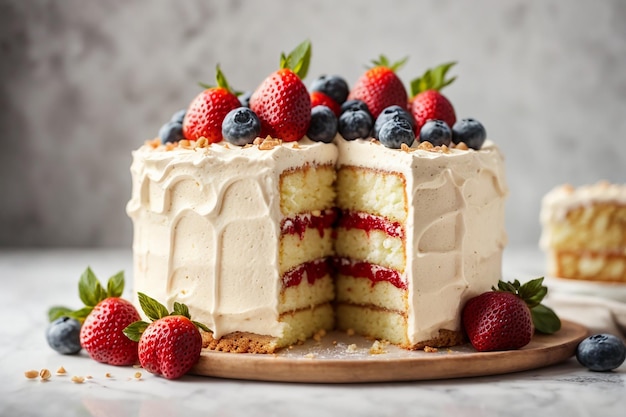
[(103, 319), (171, 344), (379, 87), (282, 101), (207, 110), (507, 317), (427, 102)]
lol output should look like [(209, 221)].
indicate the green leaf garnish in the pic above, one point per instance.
[(545, 319), (432, 79), (90, 290), (134, 330), (201, 326), (181, 310), (298, 60), (58, 312), (151, 307), (115, 285), (533, 292), (383, 61)]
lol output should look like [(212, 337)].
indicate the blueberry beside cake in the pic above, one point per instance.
[(306, 211)]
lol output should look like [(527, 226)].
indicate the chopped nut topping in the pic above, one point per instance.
[(32, 374), (426, 146), (61, 371), (138, 375), (184, 143), (202, 143), (461, 146), (258, 141), (45, 374), (269, 143), (405, 147), (107, 375), (78, 379), (295, 145), (430, 349)]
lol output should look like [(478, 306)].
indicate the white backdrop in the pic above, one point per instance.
[(85, 82)]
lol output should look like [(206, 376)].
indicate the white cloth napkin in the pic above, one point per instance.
[(599, 314)]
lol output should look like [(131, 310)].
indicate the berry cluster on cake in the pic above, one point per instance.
[(291, 211), (584, 231)]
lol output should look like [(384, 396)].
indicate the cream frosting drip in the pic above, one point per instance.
[(455, 226), (206, 226)]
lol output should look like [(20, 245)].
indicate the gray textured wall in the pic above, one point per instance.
[(83, 82)]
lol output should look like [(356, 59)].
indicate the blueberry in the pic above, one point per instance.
[(171, 132), (63, 335), (436, 132), (244, 98), (355, 104), (470, 131), (323, 127), (601, 352), (241, 126), (179, 116), (387, 114), (397, 131), (355, 123), (333, 86)]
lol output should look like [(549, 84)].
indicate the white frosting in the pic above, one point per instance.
[(455, 226), (198, 242)]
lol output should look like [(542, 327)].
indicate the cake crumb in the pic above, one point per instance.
[(88, 377), (78, 379), (45, 374), (430, 349), (351, 348), (108, 375), (32, 374), (350, 332), (137, 375), (310, 355), (378, 347), (61, 371), (318, 336)]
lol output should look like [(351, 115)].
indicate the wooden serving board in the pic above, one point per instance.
[(339, 358)]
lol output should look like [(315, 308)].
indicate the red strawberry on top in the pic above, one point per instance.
[(104, 318), (507, 317), (320, 99), (171, 344), (207, 110), (379, 87), (427, 102), (282, 101)]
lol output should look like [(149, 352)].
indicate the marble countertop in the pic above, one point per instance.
[(34, 280)]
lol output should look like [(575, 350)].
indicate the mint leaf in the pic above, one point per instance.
[(58, 312), (90, 290), (115, 285), (151, 307), (134, 330), (545, 319), (81, 314)]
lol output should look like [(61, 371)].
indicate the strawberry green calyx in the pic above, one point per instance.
[(91, 292), (383, 61), (432, 79), (298, 60), (221, 81), (155, 311), (532, 293)]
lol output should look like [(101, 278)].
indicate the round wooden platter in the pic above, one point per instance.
[(339, 358)]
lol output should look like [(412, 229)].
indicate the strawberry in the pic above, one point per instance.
[(102, 332), (103, 319), (427, 102), (207, 110), (379, 87), (282, 101), (507, 317), (320, 99), (171, 344)]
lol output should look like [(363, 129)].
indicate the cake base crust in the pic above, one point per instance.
[(240, 342)]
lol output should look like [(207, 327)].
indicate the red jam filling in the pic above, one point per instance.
[(375, 273), (299, 224), (314, 270), (367, 222)]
